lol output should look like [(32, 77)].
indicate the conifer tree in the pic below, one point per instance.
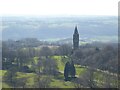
[(69, 70), (66, 70), (72, 69)]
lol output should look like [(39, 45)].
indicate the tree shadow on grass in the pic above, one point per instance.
[(70, 78)]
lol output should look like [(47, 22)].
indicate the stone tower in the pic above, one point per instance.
[(75, 39)]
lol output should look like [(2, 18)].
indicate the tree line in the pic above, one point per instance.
[(42, 63)]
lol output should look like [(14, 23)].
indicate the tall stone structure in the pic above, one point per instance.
[(75, 39)]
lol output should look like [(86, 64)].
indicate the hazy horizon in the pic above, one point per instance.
[(56, 28)]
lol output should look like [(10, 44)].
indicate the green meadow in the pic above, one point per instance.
[(56, 81)]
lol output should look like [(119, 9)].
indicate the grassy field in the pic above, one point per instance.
[(0, 79), (56, 81)]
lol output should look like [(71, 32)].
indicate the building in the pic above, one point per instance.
[(75, 39)]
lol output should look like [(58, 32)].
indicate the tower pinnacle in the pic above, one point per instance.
[(75, 39), (76, 31)]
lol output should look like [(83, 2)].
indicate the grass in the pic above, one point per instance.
[(5, 85), (61, 65), (36, 59), (30, 77), (101, 78), (57, 81), (22, 75), (59, 62), (2, 84), (79, 69), (2, 72), (1, 79), (61, 84)]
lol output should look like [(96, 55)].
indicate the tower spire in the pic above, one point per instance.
[(76, 39), (76, 31)]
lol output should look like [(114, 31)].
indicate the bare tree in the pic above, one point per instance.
[(42, 82), (21, 82), (110, 81), (10, 77), (77, 83), (45, 51), (86, 79), (64, 50), (40, 65), (50, 66)]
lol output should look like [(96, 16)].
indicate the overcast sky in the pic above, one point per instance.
[(59, 7)]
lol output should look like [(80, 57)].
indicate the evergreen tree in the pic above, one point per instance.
[(72, 69), (69, 70), (66, 70)]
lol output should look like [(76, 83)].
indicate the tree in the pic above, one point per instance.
[(50, 66), (8, 56), (72, 69), (40, 65), (69, 70), (31, 52), (77, 83), (64, 50), (21, 57), (86, 79), (45, 51), (42, 82), (66, 70), (21, 82), (10, 77), (110, 81)]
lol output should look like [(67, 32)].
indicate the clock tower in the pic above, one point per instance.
[(75, 39)]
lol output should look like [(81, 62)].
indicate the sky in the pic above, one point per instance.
[(58, 7)]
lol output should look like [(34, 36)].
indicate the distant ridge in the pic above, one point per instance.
[(62, 27)]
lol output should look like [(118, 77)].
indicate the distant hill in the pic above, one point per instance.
[(58, 27)]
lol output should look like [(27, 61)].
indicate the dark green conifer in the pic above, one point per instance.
[(66, 70), (72, 69)]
